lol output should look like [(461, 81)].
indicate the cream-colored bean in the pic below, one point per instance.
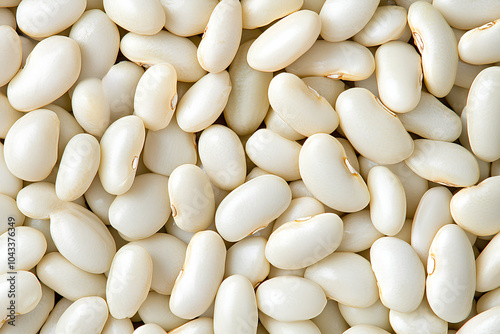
[(129, 281), (270, 196), (164, 47), (345, 277), (345, 60), (206, 253), (187, 18), (359, 233), (485, 322), (49, 326), (299, 298), (387, 200), (119, 85), (221, 37), (115, 326), (285, 41), (121, 146), (482, 109), (156, 96), (318, 237), (324, 166), (275, 326), (150, 328), (235, 306), (445, 163), (432, 120), (223, 157), (76, 230), (457, 99), (372, 129), (342, 19), (145, 18), (38, 200), (274, 153), (258, 13), (465, 15), (88, 314), (422, 319), (374, 315), (301, 107), (438, 46), (248, 103), (167, 253), (247, 258), (78, 167), (146, 201), (399, 272), (275, 123), (369, 83), (10, 54), (466, 73), (277, 272), (40, 19), (10, 185), (8, 18), (387, 24), (30, 147), (330, 321), (155, 309), (90, 106), (488, 267), (399, 76), (27, 290), (9, 115), (166, 149), (69, 281), (329, 89), (191, 198), (42, 225), (488, 300), (30, 246), (99, 200), (99, 41), (52, 68), (204, 102), (451, 278), (433, 212), (202, 325), (299, 207), (365, 329)]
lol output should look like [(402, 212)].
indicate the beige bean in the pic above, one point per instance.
[(37, 200), (488, 300), (155, 97), (248, 103), (258, 13), (343, 19), (9, 115), (129, 281), (484, 322), (482, 107), (99, 200), (88, 314), (30, 246), (27, 290), (437, 161), (145, 18), (187, 18), (301, 107), (451, 278), (330, 321), (221, 37), (164, 47), (466, 73), (115, 326), (399, 76), (422, 319), (329, 89), (235, 306), (204, 102), (387, 23), (345, 60), (10, 54), (247, 258), (223, 157), (191, 296), (121, 146), (487, 267), (202, 325), (324, 166), (49, 326), (10, 185), (465, 15), (270, 197), (42, 225), (40, 19), (375, 315), (150, 328), (299, 207), (284, 42), (52, 68), (30, 147), (8, 18), (457, 98), (318, 237), (345, 277), (373, 130), (275, 123), (359, 233), (275, 326), (399, 272), (438, 46), (155, 309), (432, 120)]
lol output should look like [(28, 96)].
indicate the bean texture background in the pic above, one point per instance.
[(249, 166)]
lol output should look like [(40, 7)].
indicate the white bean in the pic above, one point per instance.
[(28, 293), (375, 315), (155, 309), (10, 54), (30, 247), (258, 13), (145, 18), (487, 267), (88, 314), (202, 325), (282, 327), (465, 15), (187, 18), (330, 321), (484, 322), (422, 319), (387, 23), (359, 233)]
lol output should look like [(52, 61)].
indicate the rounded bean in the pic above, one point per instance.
[(375, 315), (422, 319), (275, 326), (387, 23), (145, 18), (299, 207), (187, 18), (465, 15), (10, 53), (28, 293), (84, 315), (258, 13), (359, 233), (30, 247), (202, 325), (155, 309), (247, 258)]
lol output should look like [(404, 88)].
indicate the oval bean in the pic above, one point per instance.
[(145, 18), (85, 314)]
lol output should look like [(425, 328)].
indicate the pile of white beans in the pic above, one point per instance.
[(253, 166)]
